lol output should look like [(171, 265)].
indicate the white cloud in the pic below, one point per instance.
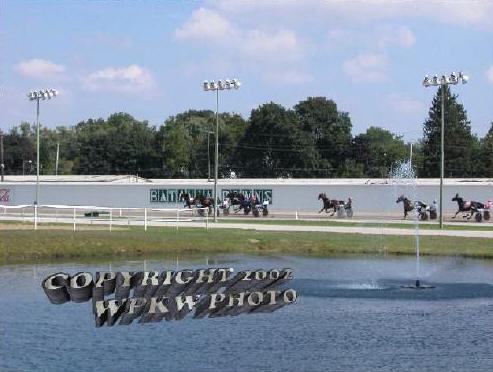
[(39, 69), (399, 36), (206, 25), (369, 67), (405, 104), (268, 50), (263, 46), (489, 74), (124, 79), (474, 13)]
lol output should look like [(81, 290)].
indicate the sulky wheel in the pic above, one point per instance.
[(486, 215), (424, 216), (349, 212), (478, 217), (201, 212), (265, 212), (226, 211), (340, 212), (255, 212)]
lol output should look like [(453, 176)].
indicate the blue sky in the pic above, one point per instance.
[(149, 58)]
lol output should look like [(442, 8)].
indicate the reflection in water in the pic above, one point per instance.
[(351, 314)]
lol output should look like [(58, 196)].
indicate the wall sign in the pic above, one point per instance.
[(4, 195), (174, 195), (262, 194)]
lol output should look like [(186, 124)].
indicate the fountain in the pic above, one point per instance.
[(403, 176)]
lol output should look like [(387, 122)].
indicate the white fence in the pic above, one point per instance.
[(97, 215)]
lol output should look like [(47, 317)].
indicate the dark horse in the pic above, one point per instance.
[(239, 200), (409, 205), (329, 204), (467, 206), (198, 201)]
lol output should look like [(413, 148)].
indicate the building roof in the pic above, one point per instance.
[(128, 179)]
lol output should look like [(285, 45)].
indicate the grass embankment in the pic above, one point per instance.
[(56, 244)]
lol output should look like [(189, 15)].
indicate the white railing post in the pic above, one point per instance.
[(145, 219), (35, 216), (74, 219), (177, 218), (120, 212), (111, 220)]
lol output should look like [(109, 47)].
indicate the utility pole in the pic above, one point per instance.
[(57, 156), (2, 165)]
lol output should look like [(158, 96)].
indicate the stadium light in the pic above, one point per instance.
[(442, 81), (226, 84), (37, 95)]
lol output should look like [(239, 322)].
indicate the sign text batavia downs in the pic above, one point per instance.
[(153, 296)]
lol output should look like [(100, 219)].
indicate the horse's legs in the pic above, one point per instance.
[(455, 215)]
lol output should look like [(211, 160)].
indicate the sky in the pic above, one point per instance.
[(149, 58)]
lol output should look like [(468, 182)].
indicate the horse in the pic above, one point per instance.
[(189, 202), (237, 199), (329, 204), (198, 201), (409, 206), (467, 206)]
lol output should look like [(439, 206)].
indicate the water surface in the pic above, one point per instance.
[(351, 314)]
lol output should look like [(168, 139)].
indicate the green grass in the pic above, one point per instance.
[(396, 225), (48, 245)]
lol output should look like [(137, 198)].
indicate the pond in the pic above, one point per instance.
[(351, 314)]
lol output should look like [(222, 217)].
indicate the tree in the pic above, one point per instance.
[(460, 145), (119, 145), (377, 150), (487, 154), (274, 145), (19, 149), (183, 140), (329, 130)]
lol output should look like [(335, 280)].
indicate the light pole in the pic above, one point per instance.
[(213, 86), (2, 165), (38, 95), (208, 155), (442, 82)]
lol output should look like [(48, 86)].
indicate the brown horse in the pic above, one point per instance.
[(328, 204)]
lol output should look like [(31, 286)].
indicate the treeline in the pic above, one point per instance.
[(312, 139)]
